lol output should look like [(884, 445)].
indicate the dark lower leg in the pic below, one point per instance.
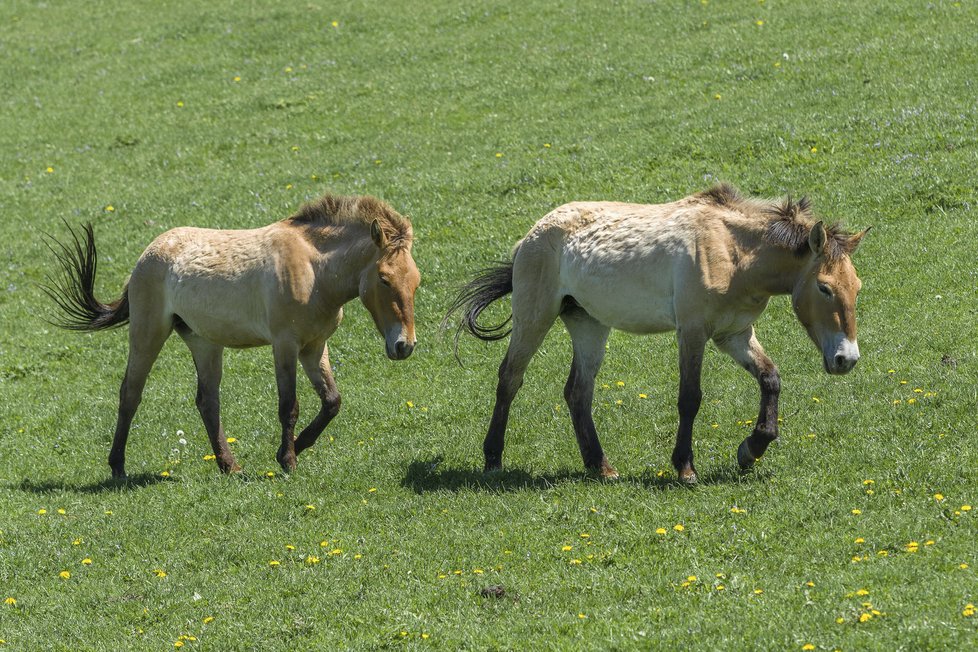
[(579, 394), (492, 447), (690, 396), (209, 406), (766, 429), (329, 408)]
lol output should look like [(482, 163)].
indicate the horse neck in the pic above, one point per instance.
[(773, 269), (344, 252)]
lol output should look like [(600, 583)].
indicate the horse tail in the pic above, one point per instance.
[(492, 283), (73, 290)]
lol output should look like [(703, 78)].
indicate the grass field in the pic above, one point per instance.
[(855, 531)]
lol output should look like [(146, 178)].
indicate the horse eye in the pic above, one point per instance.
[(384, 280), (824, 289)]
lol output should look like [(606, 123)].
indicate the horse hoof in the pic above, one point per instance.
[(745, 458), (492, 468), (608, 472), (688, 476)]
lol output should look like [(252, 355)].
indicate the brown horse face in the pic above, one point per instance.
[(825, 302), (387, 290)]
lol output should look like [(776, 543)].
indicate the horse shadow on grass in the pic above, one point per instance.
[(431, 474), (45, 487)]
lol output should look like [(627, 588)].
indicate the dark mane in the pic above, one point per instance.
[(789, 222), (345, 209)]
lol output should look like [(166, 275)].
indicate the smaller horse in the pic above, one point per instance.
[(704, 266), (284, 285)]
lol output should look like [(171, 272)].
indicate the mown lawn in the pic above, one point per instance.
[(855, 532)]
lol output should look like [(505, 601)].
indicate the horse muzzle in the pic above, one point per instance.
[(400, 350), (840, 358)]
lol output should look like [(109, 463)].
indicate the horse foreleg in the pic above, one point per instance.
[(208, 360), (288, 405), (691, 347), (589, 337), (747, 351), (315, 362), (145, 344)]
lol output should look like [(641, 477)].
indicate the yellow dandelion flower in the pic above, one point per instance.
[(760, 23), (547, 145), (857, 512), (567, 548), (289, 547), (87, 561), (335, 23), (312, 559), (938, 497), (208, 620), (865, 616), (758, 591), (575, 562), (231, 440), (806, 646), (691, 578), (178, 644), (208, 458), (165, 474), (678, 527), (275, 562), (159, 572), (499, 154), (582, 616), (810, 584), (660, 530), (965, 508), (42, 511), (49, 170), (963, 566), (585, 535), (968, 611), (717, 96), (861, 592), (929, 542), (869, 482), (643, 395), (237, 78), (11, 601), (620, 383), (64, 575), (76, 542), (425, 635), (179, 105), (859, 540), (478, 571), (110, 208), (310, 508), (840, 620), (410, 404), (721, 587)]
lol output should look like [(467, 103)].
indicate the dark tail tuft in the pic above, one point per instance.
[(491, 284), (73, 290)]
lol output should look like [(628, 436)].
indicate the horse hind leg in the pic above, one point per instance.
[(146, 339), (315, 362), (589, 337), (535, 307), (208, 360)]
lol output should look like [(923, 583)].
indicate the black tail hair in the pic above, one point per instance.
[(73, 290), (492, 283)]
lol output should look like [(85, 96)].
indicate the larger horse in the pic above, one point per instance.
[(283, 284), (704, 266)]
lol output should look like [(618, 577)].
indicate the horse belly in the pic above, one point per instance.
[(229, 314), (633, 304)]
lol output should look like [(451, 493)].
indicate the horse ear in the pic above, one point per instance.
[(817, 238), (377, 234), (853, 243)]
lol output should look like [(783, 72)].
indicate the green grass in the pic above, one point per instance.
[(475, 120)]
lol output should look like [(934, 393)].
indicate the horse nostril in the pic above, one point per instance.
[(403, 350), (842, 362)]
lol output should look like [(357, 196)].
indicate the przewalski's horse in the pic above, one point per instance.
[(704, 266), (284, 284)]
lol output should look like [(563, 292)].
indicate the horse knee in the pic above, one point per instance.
[(770, 382), (288, 411), (331, 404), (689, 403)]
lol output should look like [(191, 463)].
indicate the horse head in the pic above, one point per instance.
[(387, 288), (824, 298)]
